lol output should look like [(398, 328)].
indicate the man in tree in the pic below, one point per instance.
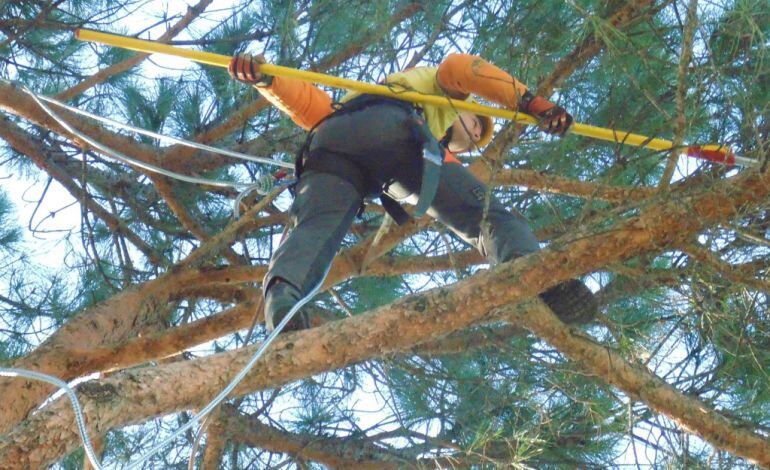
[(371, 146)]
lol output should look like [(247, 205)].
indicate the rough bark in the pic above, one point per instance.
[(216, 440), (112, 321), (560, 185), (138, 395), (114, 348), (94, 354)]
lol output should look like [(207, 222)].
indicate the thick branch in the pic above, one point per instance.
[(111, 321), (145, 393), (216, 440), (332, 451), (560, 185)]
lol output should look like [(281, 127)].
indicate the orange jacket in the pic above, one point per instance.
[(459, 75)]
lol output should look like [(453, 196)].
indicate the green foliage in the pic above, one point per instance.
[(10, 235), (150, 112), (493, 402), (367, 293)]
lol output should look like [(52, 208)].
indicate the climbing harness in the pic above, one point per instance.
[(714, 153), (431, 151), (432, 159)]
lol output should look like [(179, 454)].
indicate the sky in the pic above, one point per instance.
[(58, 216)]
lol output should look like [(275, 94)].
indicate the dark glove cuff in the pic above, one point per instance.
[(525, 101), (553, 112)]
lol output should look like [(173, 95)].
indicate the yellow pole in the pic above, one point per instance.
[(219, 60)]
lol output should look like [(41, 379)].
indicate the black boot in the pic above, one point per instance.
[(572, 302), (279, 300)]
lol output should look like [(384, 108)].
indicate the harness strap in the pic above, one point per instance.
[(432, 159), (432, 155), (394, 209)]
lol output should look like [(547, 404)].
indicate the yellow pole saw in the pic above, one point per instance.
[(714, 153)]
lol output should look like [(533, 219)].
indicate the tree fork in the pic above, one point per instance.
[(139, 395)]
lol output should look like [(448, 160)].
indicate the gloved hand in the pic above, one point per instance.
[(553, 119), (245, 68)]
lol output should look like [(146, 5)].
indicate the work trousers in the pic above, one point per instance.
[(357, 156)]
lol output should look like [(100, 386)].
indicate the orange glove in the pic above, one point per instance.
[(553, 118), (245, 68)]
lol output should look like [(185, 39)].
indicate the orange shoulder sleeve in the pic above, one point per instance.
[(305, 103), (464, 74)]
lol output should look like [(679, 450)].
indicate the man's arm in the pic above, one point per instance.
[(462, 74), (303, 102)]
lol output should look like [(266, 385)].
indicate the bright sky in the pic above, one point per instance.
[(58, 216)]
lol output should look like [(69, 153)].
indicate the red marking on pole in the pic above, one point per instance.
[(712, 153)]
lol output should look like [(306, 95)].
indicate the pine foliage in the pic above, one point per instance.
[(489, 396)]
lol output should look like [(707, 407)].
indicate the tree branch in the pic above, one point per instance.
[(145, 393), (22, 143), (334, 452), (105, 74)]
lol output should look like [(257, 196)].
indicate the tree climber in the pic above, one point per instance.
[(371, 146)]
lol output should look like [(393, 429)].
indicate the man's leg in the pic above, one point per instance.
[(459, 204), (323, 209)]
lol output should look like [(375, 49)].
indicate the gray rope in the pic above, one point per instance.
[(79, 419), (166, 138), (263, 186), (237, 379), (126, 159), (260, 186)]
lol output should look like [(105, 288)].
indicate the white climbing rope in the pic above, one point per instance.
[(260, 186), (125, 158), (166, 138), (78, 411), (237, 379), (79, 419)]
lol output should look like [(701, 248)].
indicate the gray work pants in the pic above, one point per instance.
[(360, 154)]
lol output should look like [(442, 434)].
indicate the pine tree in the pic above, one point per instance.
[(421, 355)]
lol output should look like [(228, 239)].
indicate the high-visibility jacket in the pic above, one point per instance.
[(459, 76)]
